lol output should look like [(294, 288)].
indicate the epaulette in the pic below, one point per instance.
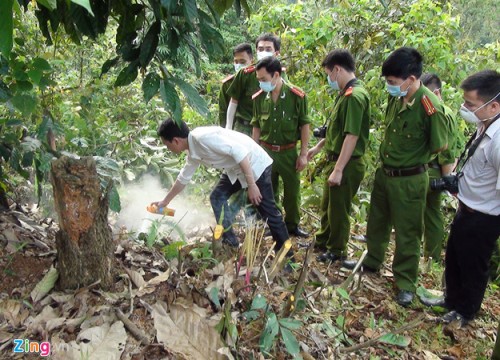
[(348, 92), (428, 106), (298, 92), (257, 94), (249, 69), (227, 78)]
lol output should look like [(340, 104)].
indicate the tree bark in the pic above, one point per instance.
[(84, 241)]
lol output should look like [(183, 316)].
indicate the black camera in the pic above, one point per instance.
[(320, 132), (449, 182)]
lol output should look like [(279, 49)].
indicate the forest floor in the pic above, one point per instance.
[(176, 307)]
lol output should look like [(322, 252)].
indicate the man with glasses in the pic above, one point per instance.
[(476, 226)]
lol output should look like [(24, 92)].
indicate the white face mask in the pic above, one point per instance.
[(471, 117), (263, 54), (237, 67)]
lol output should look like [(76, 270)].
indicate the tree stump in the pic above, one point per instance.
[(84, 241)]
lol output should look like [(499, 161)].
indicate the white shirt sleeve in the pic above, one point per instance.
[(231, 112), (188, 171)]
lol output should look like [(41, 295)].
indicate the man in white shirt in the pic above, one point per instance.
[(476, 226), (244, 163)]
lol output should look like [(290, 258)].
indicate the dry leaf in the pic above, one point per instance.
[(135, 277), (9, 309), (150, 286), (186, 331), (456, 351), (430, 356), (45, 285), (100, 342)]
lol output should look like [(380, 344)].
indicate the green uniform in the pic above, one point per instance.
[(224, 99), (351, 115), (242, 87), (279, 124), (413, 132), (433, 216)]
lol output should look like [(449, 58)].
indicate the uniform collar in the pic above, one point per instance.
[(418, 94)]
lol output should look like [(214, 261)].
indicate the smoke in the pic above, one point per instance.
[(192, 216)]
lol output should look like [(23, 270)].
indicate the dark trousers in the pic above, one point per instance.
[(472, 239), (267, 207)]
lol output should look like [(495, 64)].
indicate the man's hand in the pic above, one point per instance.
[(335, 178), (254, 194), (312, 152), (160, 204), (301, 163)]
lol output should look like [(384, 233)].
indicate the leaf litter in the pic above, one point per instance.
[(196, 308)]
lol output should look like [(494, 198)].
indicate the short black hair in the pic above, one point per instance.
[(269, 37), (487, 84), (402, 63), (169, 129), (431, 80), (340, 57), (243, 47), (271, 64)]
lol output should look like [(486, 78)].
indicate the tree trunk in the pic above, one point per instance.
[(84, 242)]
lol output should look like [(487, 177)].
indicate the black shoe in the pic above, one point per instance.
[(433, 301), (298, 232), (328, 256), (351, 264), (231, 240), (404, 298), (453, 316)]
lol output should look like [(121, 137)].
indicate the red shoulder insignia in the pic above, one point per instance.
[(257, 94), (298, 92), (227, 78), (428, 106), (348, 92), (249, 69)]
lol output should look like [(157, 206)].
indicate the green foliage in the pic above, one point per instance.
[(171, 251), (273, 327)]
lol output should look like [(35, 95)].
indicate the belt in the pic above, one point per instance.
[(335, 157), (278, 148), (405, 172)]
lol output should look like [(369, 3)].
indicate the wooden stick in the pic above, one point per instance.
[(370, 342), (350, 278), (134, 330), (300, 283)]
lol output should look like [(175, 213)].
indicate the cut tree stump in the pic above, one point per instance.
[(84, 241)]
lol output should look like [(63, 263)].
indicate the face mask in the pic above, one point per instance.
[(468, 115), (395, 90), (237, 67), (263, 54), (333, 84), (267, 86), (471, 117)]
